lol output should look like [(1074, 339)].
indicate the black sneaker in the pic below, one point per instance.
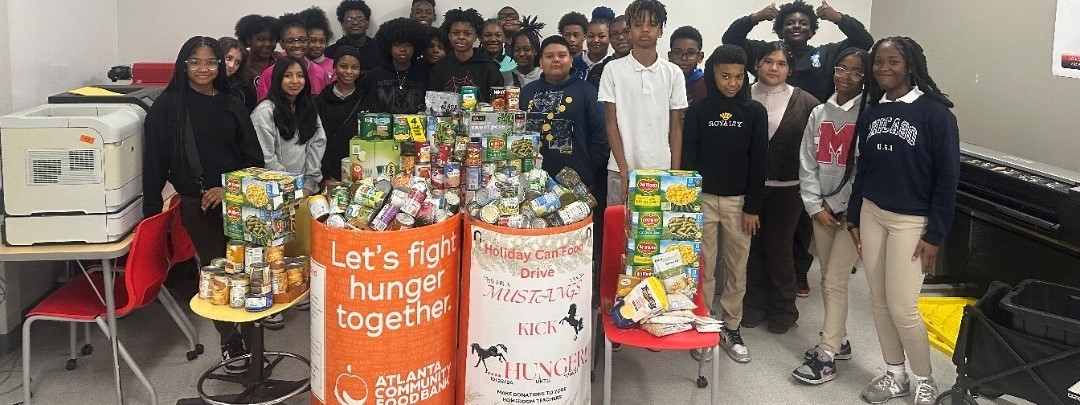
[(232, 349), (817, 370), (843, 354), (274, 322)]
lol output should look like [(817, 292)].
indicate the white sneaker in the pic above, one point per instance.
[(886, 387), (734, 346), (926, 391)]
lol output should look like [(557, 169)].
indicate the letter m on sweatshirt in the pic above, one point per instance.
[(834, 144)]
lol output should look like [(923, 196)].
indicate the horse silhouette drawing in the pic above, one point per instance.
[(484, 354), (577, 322)]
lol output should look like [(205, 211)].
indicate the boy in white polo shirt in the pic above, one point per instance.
[(643, 96)]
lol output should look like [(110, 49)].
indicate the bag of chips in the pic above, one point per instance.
[(664, 329), (646, 299), (679, 302)]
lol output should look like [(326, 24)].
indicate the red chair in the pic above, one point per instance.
[(611, 265), (147, 266)]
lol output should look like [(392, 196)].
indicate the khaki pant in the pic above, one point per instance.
[(725, 212), (888, 241), (836, 255)]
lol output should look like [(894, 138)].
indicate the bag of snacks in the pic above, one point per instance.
[(678, 302), (644, 300), (664, 329)]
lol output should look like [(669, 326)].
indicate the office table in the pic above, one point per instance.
[(64, 252)]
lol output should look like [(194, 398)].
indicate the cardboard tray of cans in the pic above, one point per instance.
[(663, 215)]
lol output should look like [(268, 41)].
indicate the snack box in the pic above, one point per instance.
[(443, 130), (523, 146), (261, 188), (646, 224), (369, 158), (410, 127), (664, 190), (376, 126), (683, 226)]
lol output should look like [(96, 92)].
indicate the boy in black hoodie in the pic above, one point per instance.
[(465, 65), (725, 138)]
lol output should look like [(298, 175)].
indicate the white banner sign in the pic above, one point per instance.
[(1066, 57), (530, 322)]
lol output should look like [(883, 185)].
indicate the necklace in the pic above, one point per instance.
[(401, 78)]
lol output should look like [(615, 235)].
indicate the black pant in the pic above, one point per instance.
[(600, 193), (207, 233), (770, 283), (804, 231)]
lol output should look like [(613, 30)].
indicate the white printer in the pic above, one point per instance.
[(72, 172)]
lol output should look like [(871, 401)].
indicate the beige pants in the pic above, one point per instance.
[(836, 255), (888, 241), (725, 212)]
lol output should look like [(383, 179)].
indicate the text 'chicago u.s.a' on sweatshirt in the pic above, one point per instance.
[(909, 162)]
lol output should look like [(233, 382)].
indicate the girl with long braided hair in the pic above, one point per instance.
[(901, 206)]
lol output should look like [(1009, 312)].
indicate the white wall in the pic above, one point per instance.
[(152, 31), (5, 61), (57, 45)]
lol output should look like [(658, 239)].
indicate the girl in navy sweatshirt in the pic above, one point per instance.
[(902, 205)]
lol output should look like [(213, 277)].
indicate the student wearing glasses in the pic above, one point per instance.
[(686, 53), (198, 117), (795, 23), (511, 24), (355, 19), (294, 40)]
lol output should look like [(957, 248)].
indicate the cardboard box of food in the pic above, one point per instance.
[(680, 191), (410, 127), (664, 190), (267, 227), (376, 126), (689, 251), (482, 124), (646, 224), (443, 130), (261, 188), (683, 226), (639, 251), (494, 148), (373, 157), (523, 146)]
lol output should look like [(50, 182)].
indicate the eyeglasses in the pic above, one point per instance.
[(357, 19), (295, 41), (508, 16), (683, 55), (854, 74), (621, 34), (211, 64)]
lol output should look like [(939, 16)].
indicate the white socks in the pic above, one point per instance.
[(897, 371)]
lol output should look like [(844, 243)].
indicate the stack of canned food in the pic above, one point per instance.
[(532, 199), (253, 277), (383, 204)]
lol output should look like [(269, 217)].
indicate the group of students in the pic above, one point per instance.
[(829, 132)]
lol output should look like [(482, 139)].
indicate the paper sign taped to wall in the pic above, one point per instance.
[(1065, 60)]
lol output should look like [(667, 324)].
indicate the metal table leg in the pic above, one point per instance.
[(110, 308)]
